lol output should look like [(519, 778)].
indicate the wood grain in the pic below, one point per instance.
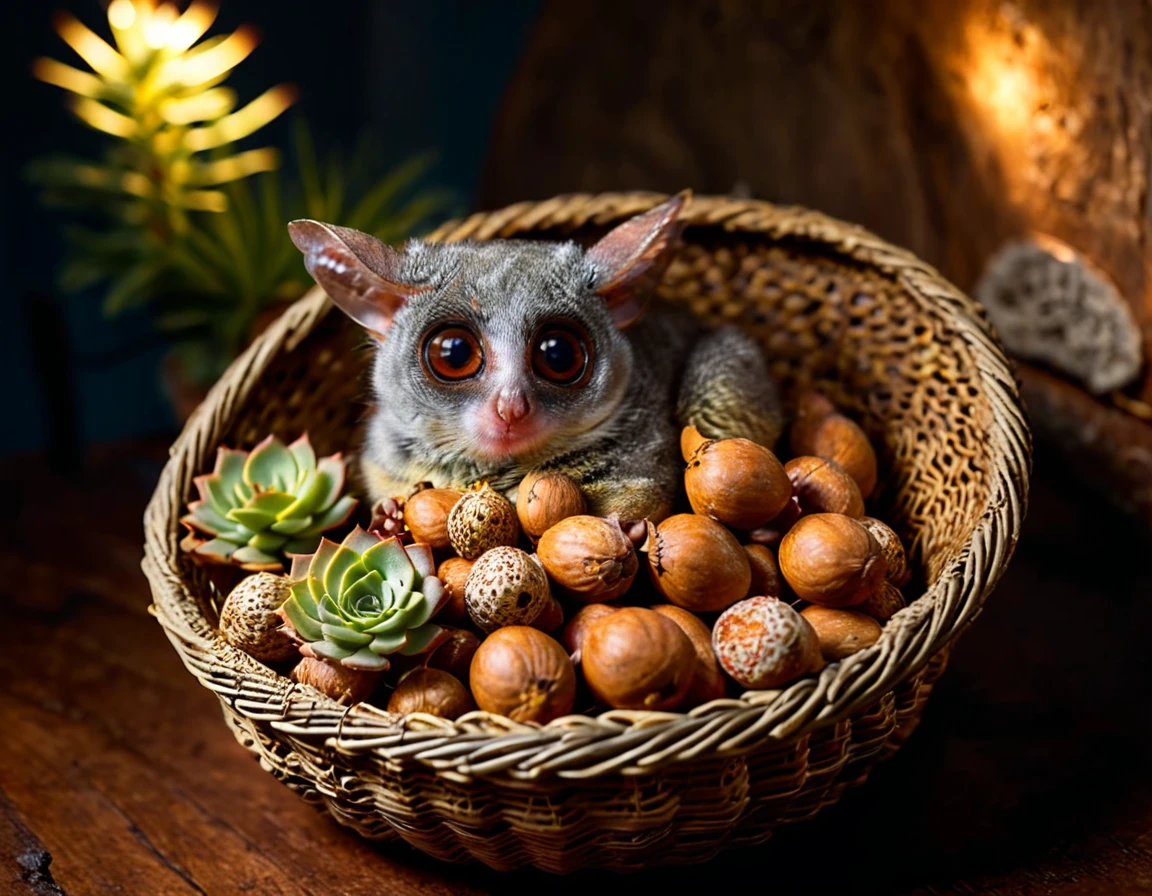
[(118, 775)]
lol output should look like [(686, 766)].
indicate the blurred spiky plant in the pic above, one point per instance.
[(178, 218)]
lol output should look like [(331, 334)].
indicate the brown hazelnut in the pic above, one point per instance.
[(836, 437), (736, 482), (822, 486), (637, 659), (506, 587), (431, 691), (832, 560), (524, 674), (589, 558), (883, 603), (708, 680), (810, 410), (841, 632), (426, 515), (690, 440), (763, 643), (453, 573), (550, 618), (773, 532), (573, 635), (337, 681), (765, 571), (696, 563), (454, 656), (544, 499), (481, 520), (249, 622), (890, 544)]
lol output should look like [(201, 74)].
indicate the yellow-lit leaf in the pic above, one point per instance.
[(57, 73), (206, 106), (93, 49), (201, 66), (244, 121), (190, 27), (204, 200), (100, 117), (241, 165)]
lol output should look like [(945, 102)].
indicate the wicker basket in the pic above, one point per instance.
[(835, 307)]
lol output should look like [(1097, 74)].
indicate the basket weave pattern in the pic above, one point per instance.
[(876, 329)]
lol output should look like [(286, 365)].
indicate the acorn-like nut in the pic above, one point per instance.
[(337, 681), (426, 515), (690, 440), (481, 520), (839, 438), (708, 679), (524, 674), (832, 560), (890, 544), (637, 659), (248, 619), (453, 573), (773, 532), (763, 643), (883, 603), (841, 632), (550, 618), (506, 587), (822, 486), (431, 691), (544, 499), (454, 656), (736, 482), (766, 580), (589, 558), (811, 409), (696, 563), (573, 635)]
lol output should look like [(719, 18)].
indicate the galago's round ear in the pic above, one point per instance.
[(632, 258), (359, 273)]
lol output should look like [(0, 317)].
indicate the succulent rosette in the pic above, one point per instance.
[(363, 599), (258, 506)]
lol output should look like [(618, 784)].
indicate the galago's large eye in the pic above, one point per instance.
[(560, 355), (453, 353)]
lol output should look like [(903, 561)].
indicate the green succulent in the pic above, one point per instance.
[(359, 601), (257, 507)]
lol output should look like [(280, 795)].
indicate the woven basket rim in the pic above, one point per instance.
[(480, 744)]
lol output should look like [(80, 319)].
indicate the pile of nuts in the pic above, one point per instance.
[(776, 572)]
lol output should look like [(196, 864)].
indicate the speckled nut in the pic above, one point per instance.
[(736, 482), (637, 659), (883, 603), (766, 580), (544, 499), (426, 515), (708, 680), (822, 486), (763, 643), (898, 572), (338, 682), (832, 560), (481, 520), (524, 674), (589, 558), (431, 691), (505, 587), (841, 632), (696, 563), (248, 619)]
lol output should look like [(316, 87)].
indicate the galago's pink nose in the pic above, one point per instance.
[(512, 405)]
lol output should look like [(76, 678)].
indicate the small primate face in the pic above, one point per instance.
[(498, 352)]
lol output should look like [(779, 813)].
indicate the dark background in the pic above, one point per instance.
[(420, 76)]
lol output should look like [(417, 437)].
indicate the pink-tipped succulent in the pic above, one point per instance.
[(257, 507), (359, 601)]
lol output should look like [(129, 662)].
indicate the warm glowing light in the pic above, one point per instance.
[(202, 66), (156, 31), (190, 27), (241, 165), (104, 60), (206, 106), (121, 14), (57, 73), (244, 121), (100, 117)]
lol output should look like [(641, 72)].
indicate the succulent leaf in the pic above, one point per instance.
[(271, 502), (355, 603)]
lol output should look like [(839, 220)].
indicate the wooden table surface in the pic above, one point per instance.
[(1030, 774)]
